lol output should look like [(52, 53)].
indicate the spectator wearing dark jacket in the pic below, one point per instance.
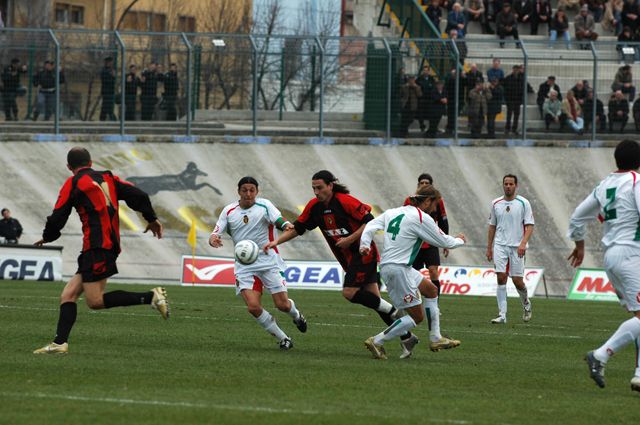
[(514, 97), (543, 92), (494, 106), (11, 83), (434, 13), (149, 91), (618, 110), (437, 108), (541, 15), (559, 28), (587, 110), (636, 114), (45, 80), (131, 84), (108, 90), (10, 228), (523, 10), (580, 91), (456, 20), (631, 15), (623, 81), (170, 95), (426, 82), (410, 94), (473, 76), (506, 23)]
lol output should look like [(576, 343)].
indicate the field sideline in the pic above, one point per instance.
[(211, 363)]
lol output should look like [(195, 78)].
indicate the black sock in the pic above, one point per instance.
[(386, 317), (125, 298), (437, 283), (68, 313), (367, 299)]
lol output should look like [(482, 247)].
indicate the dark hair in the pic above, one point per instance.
[(247, 180), (3, 210), (132, 66), (328, 177), (425, 176), (627, 155), (78, 157), (424, 192), (173, 64), (513, 176)]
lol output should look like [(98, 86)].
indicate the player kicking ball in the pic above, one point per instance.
[(405, 229), (252, 218), (616, 203)]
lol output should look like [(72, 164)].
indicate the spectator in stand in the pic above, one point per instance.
[(437, 108), (478, 107), (542, 14), (552, 111), (587, 111), (474, 11), (568, 4), (573, 113), (108, 90), (410, 94), (460, 44), (149, 90), (585, 26), (618, 110), (10, 228), (623, 81), (514, 97), (506, 23), (596, 7), (451, 98), (636, 114), (543, 92), (580, 91), (492, 8), (473, 76), (434, 13), (612, 20), (45, 80), (630, 15), (495, 72), (131, 84), (170, 95), (523, 10), (456, 21), (494, 107), (11, 83), (625, 39), (426, 82), (559, 28)]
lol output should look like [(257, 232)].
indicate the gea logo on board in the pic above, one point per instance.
[(23, 269)]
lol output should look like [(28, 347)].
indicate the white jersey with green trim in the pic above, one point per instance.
[(405, 228), (257, 224), (616, 203), (510, 217)]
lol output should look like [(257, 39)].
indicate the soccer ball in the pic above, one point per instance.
[(246, 252)]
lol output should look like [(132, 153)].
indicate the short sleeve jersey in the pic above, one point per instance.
[(510, 217), (405, 228), (255, 223), (340, 218)]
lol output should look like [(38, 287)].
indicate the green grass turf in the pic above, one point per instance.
[(211, 363)]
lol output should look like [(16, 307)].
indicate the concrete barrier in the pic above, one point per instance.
[(554, 180)]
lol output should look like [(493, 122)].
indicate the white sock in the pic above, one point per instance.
[(524, 299), (638, 356), (433, 317), (384, 306), (397, 328), (501, 295), (626, 333), (269, 324), (294, 311)]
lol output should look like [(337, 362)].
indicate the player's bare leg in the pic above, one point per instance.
[(518, 282), (264, 318), (285, 304)]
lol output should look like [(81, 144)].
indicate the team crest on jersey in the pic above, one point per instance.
[(408, 298), (245, 219), (508, 208), (329, 220)]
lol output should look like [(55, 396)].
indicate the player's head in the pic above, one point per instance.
[(627, 155), (6, 213), (325, 184), (248, 190), (426, 198), (424, 179), (78, 158), (509, 184)]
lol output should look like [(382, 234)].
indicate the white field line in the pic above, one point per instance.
[(213, 406), (341, 325)]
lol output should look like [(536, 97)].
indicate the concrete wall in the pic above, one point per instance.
[(553, 179)]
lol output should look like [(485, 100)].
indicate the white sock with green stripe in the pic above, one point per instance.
[(397, 328), (627, 333), (269, 324), (293, 312), (501, 295), (433, 317)]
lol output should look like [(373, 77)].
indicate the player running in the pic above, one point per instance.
[(342, 218), (254, 218), (404, 230), (616, 203), (95, 196), (510, 227)]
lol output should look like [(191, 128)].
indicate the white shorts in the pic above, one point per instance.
[(622, 264), (506, 260), (271, 279), (402, 283)]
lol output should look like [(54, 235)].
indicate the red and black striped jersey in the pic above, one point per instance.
[(95, 196), (439, 216), (341, 217)]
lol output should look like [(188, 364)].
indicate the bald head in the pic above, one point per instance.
[(78, 157)]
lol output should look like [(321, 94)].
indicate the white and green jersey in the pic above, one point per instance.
[(616, 203), (257, 224), (405, 229), (510, 217)]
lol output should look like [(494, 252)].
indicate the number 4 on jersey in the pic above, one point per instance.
[(394, 226)]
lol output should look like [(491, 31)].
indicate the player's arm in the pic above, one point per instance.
[(443, 223), (429, 232), (528, 229), (276, 218), (304, 222), (138, 200), (367, 231), (491, 234), (359, 212), (215, 239), (585, 212), (58, 218)]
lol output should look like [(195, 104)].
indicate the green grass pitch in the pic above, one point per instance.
[(211, 363)]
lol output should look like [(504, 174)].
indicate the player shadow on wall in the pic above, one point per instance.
[(186, 180)]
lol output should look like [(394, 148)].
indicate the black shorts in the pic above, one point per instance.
[(361, 274), (427, 257), (97, 264)]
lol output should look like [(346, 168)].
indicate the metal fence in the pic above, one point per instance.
[(382, 88)]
